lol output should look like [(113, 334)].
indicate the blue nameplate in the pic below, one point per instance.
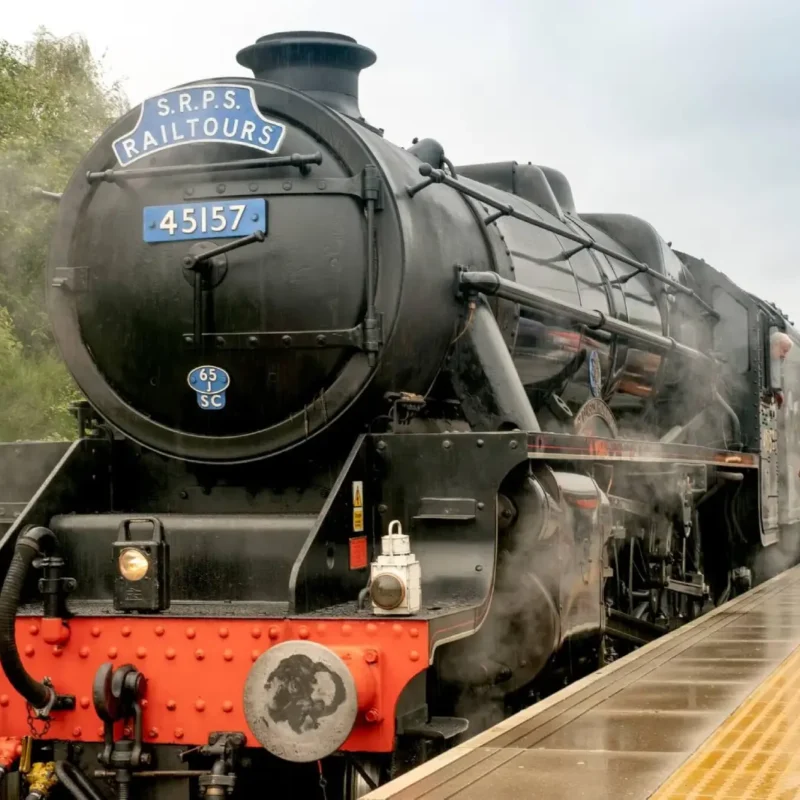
[(223, 113), (210, 384), (213, 219)]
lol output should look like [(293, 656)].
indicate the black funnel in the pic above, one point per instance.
[(323, 65)]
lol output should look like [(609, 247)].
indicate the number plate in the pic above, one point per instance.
[(221, 219)]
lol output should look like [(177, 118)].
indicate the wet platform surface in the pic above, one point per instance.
[(709, 711)]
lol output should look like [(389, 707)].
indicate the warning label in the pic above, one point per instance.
[(358, 553), (358, 494), (358, 519)]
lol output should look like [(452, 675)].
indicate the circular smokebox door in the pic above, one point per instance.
[(300, 701)]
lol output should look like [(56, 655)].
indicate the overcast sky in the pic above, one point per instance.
[(684, 112)]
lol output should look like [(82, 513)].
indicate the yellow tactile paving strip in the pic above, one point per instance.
[(755, 753)]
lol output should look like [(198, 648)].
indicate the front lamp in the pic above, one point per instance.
[(133, 564), (387, 591)]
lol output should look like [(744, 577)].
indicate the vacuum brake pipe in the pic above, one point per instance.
[(33, 543)]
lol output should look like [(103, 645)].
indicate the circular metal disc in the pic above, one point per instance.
[(300, 701)]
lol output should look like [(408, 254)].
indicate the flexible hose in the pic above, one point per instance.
[(76, 783), (30, 545)]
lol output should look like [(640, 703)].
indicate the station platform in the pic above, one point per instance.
[(711, 710)]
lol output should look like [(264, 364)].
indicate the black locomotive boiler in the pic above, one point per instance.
[(375, 449)]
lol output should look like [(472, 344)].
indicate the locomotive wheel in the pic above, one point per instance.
[(354, 784)]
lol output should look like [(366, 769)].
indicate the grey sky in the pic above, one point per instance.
[(685, 112)]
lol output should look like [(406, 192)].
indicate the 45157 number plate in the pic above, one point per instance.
[(216, 219)]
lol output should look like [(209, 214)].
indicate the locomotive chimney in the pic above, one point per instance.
[(323, 65)]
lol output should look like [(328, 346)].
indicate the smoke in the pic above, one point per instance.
[(521, 630)]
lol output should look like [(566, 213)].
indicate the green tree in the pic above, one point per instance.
[(54, 103)]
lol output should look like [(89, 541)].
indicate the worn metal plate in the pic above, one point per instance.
[(300, 701)]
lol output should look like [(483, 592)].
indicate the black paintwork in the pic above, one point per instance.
[(388, 330)]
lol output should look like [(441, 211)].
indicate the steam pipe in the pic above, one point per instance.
[(491, 283), (492, 353), (737, 426), (30, 545)]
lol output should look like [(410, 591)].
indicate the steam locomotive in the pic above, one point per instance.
[(376, 448)]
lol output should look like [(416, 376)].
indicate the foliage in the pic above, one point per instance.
[(35, 391), (53, 106)]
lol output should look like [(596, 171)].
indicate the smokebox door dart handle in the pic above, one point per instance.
[(194, 261)]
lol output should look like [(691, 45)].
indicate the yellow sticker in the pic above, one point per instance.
[(358, 494), (358, 519)]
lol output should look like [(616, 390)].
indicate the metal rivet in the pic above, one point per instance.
[(321, 628), (159, 630), (256, 632), (252, 340), (84, 652), (481, 506), (200, 705), (414, 655), (4, 700), (141, 652), (372, 628), (170, 654), (274, 632), (513, 445), (371, 656), (126, 631), (253, 187), (223, 633), (191, 633), (96, 631), (397, 630), (254, 654), (153, 733), (228, 655), (112, 652), (227, 706), (321, 339), (34, 630), (220, 188), (220, 340), (287, 185), (322, 185), (287, 340), (199, 655), (58, 651), (478, 568), (303, 632), (447, 444), (189, 190), (179, 733), (347, 629), (171, 705), (76, 732), (480, 442)]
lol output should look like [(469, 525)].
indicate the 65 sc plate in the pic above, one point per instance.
[(215, 219)]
